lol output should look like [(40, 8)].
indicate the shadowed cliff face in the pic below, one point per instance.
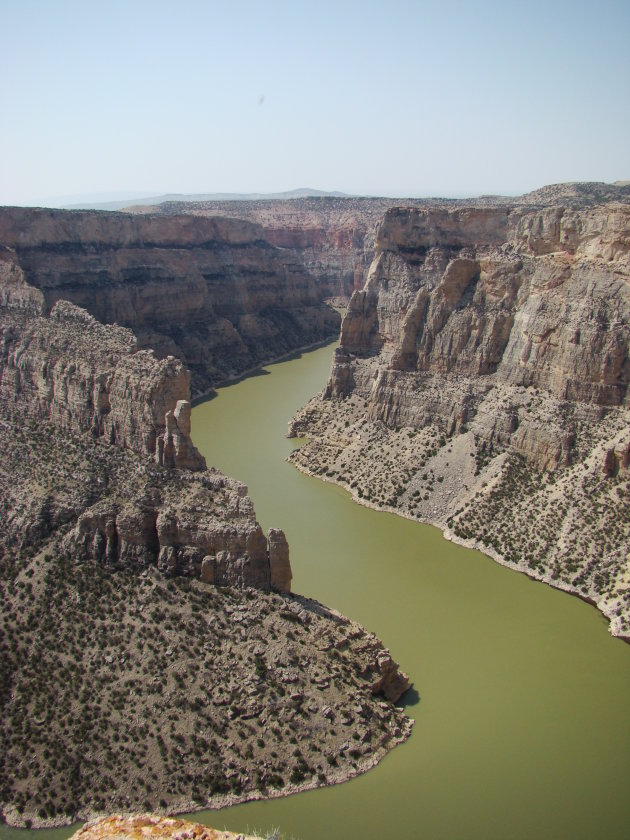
[(212, 292)]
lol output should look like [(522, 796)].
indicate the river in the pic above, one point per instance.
[(522, 723)]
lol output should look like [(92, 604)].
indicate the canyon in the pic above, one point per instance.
[(481, 384), (333, 237), (151, 654), (211, 292)]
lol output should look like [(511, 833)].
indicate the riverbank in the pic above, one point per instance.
[(523, 694), (473, 544), (202, 697), (187, 806), (480, 502)]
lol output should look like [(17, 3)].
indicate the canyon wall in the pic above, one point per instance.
[(332, 238), (212, 292), (155, 502), (481, 383), (147, 629), (534, 299)]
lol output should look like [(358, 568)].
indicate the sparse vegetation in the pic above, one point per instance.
[(568, 523)]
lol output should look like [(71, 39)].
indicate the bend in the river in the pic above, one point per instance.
[(522, 727)]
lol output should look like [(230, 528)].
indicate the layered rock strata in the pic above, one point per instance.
[(69, 373), (481, 383), (212, 292), (151, 656), (333, 238)]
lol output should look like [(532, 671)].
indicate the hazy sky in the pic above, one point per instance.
[(396, 98)]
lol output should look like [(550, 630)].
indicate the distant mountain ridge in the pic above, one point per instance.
[(301, 192), (578, 192)]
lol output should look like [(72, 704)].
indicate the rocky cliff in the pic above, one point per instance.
[(481, 383), (71, 374), (333, 237), (212, 292), (151, 656)]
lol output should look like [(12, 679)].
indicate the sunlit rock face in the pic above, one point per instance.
[(481, 383), (478, 297), (150, 827)]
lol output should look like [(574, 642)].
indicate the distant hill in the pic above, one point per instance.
[(572, 192), (578, 193), (303, 192)]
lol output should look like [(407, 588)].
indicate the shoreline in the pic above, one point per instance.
[(189, 806), (472, 544), (12, 819), (203, 396)]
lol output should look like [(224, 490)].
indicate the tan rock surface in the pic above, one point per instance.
[(150, 827), (489, 347)]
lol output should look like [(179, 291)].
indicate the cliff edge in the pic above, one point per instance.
[(481, 384)]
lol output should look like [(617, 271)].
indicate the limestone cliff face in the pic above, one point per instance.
[(332, 238), (482, 296), (482, 383), (154, 502), (85, 376), (213, 292)]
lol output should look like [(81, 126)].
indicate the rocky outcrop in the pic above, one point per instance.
[(80, 377), (138, 588), (280, 568), (390, 681), (212, 292), (150, 827), (488, 348)]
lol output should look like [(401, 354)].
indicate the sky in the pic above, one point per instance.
[(405, 98)]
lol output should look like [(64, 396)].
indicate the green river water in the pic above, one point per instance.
[(522, 723)]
